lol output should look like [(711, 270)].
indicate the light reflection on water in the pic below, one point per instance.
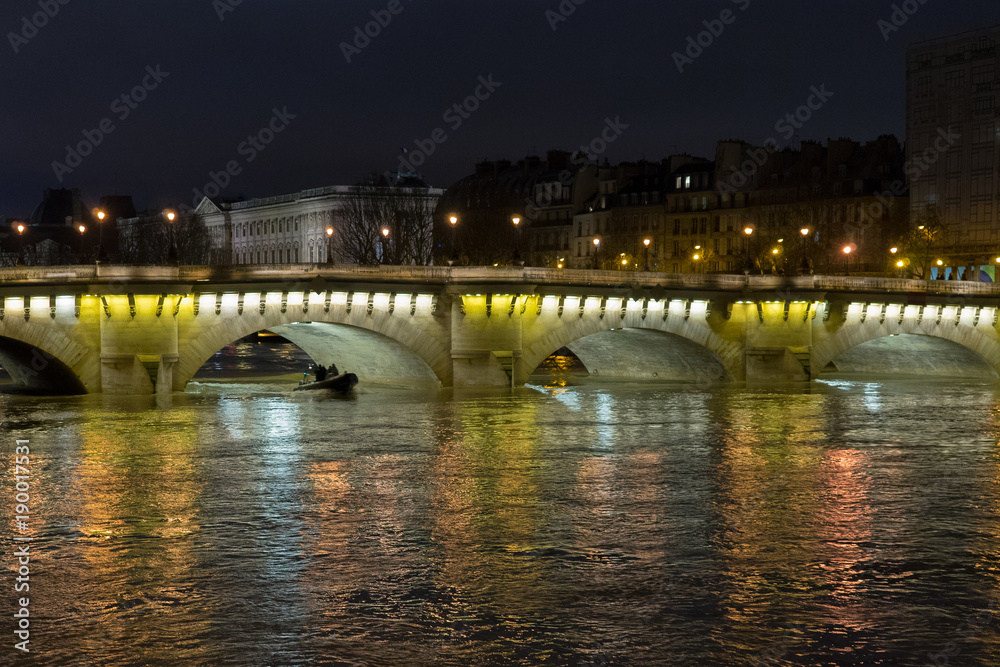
[(569, 523)]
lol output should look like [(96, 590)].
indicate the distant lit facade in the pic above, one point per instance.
[(286, 229), (802, 208), (953, 132)]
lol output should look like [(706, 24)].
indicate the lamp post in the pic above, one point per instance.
[(329, 245), (695, 258), (83, 251), (172, 253), (597, 250), (748, 232), (453, 220), (20, 244), (101, 254), (892, 251), (645, 243), (385, 245), (804, 268), (847, 259), (517, 240)]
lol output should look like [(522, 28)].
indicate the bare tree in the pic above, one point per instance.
[(147, 239), (384, 224)]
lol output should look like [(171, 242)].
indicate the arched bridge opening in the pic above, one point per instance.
[(909, 356), (32, 370), (646, 355), (373, 357)]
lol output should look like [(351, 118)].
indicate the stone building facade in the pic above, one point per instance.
[(290, 229)]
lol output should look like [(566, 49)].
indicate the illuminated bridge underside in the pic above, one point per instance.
[(643, 354), (372, 356), (909, 356), (119, 329)]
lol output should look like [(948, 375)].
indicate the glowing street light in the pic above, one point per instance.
[(329, 245), (385, 245), (20, 241), (597, 250), (748, 232), (82, 229), (847, 258), (454, 249), (101, 255), (172, 253), (646, 242), (804, 231), (517, 239)]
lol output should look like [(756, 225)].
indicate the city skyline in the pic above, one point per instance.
[(164, 112)]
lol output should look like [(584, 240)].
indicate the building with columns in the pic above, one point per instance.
[(291, 228)]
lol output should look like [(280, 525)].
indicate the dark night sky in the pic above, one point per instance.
[(608, 59)]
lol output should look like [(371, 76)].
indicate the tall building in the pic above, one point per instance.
[(952, 139)]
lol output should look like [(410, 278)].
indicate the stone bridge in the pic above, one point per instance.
[(144, 329)]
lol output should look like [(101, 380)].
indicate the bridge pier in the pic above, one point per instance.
[(775, 364), (138, 344)]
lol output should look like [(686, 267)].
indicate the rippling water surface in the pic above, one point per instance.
[(562, 524)]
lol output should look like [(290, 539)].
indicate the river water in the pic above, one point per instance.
[(566, 523)]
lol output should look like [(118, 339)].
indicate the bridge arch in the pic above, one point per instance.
[(41, 358), (720, 359), (377, 347), (982, 340)]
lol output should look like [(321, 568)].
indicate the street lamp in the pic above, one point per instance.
[(597, 250), (748, 232), (646, 243), (847, 259), (172, 253), (804, 269), (385, 244), (20, 246), (101, 254), (517, 241), (454, 249), (82, 229), (329, 245)]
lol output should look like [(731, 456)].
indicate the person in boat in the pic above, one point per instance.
[(320, 372), (333, 370)]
